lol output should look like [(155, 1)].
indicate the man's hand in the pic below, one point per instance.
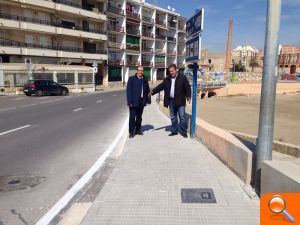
[(189, 100), (150, 93)]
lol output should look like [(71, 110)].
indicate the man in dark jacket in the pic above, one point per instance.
[(137, 98), (177, 90)]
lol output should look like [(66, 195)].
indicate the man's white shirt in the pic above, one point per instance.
[(172, 92)]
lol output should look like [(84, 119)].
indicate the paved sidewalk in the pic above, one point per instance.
[(145, 187)]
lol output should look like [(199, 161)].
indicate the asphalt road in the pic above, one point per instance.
[(54, 138)]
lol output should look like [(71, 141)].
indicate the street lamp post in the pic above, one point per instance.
[(268, 89), (95, 70)]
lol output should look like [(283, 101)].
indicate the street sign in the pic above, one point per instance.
[(186, 71), (195, 24), (193, 49)]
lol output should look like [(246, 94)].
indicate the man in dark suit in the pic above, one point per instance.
[(137, 98), (177, 90)]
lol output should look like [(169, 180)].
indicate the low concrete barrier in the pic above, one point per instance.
[(282, 147), (280, 176), (225, 146)]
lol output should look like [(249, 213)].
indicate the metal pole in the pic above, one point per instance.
[(194, 101), (268, 89)]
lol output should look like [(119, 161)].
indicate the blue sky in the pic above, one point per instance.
[(249, 20)]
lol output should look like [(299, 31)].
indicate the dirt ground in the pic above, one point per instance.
[(241, 114)]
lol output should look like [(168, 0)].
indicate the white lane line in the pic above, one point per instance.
[(17, 99), (75, 110), (54, 211), (10, 131), (58, 99), (8, 109), (28, 105), (99, 101), (46, 101)]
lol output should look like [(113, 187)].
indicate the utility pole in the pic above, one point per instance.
[(268, 89)]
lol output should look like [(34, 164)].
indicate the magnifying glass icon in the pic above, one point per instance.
[(277, 205)]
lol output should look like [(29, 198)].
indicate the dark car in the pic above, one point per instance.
[(44, 87)]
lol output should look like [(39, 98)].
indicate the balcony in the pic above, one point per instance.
[(160, 37), (148, 19), (133, 63), (115, 10), (115, 45), (181, 27), (148, 34), (115, 62), (172, 53), (21, 48), (132, 31), (160, 22), (133, 47), (171, 39), (160, 51), (147, 63), (63, 24), (115, 28), (85, 6), (147, 50), (172, 25), (181, 40), (159, 64), (181, 53), (133, 16)]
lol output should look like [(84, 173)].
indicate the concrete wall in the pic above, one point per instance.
[(225, 146), (280, 176), (282, 147), (255, 88)]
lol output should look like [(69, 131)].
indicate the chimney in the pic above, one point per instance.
[(229, 46)]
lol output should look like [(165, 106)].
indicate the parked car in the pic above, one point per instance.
[(44, 87)]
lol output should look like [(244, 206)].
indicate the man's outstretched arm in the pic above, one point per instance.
[(158, 88)]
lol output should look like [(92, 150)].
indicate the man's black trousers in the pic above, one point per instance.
[(135, 118)]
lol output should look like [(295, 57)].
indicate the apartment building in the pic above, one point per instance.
[(61, 32), (140, 33), (115, 35)]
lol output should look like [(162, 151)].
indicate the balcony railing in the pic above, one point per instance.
[(133, 31), (147, 49), (115, 28), (9, 43), (181, 53), (171, 39), (181, 27), (85, 6), (133, 63), (133, 47), (172, 52), (115, 62), (159, 50), (159, 64), (161, 37), (145, 63), (133, 16), (148, 34), (148, 19), (115, 45), (160, 22), (115, 10), (181, 39), (49, 23)]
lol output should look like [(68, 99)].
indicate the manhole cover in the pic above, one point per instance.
[(198, 195), (11, 183)]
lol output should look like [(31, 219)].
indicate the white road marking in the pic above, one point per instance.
[(99, 101), (17, 99), (75, 110), (115, 95), (58, 99), (10, 131), (8, 109), (46, 101), (28, 105), (54, 211)]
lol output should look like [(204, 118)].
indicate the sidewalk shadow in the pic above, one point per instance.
[(147, 127), (167, 128)]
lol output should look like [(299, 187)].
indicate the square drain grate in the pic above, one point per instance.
[(198, 195)]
